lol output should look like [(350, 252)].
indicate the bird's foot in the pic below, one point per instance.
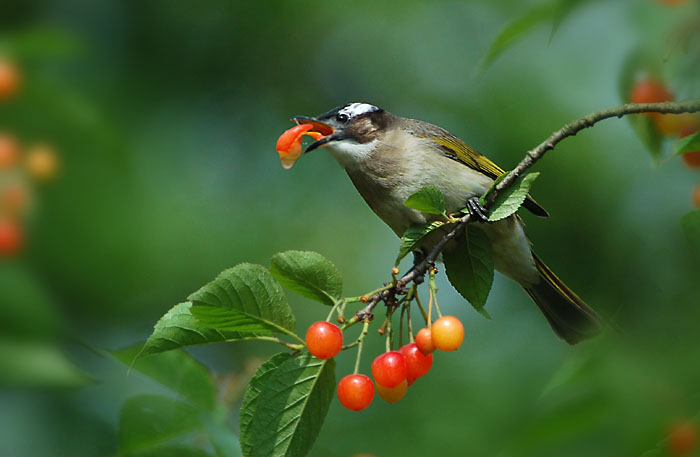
[(477, 210)]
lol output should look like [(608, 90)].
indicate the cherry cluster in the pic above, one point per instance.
[(20, 166), (651, 90), (393, 371)]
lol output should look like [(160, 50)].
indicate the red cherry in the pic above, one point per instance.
[(9, 151), (418, 364), (393, 394), (696, 196), (448, 333), (355, 392), (10, 237), (683, 439), (9, 78), (389, 369), (324, 340), (649, 90), (424, 341)]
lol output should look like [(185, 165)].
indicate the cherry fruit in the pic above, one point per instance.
[(324, 340), (390, 369), (355, 391), (447, 333)]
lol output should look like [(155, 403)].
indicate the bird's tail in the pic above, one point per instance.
[(570, 317)]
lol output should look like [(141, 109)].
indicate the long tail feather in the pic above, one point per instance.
[(570, 317)]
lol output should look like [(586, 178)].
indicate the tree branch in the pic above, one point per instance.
[(417, 273)]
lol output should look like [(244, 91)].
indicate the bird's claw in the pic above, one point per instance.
[(477, 210)]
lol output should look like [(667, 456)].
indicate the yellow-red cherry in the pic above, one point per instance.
[(389, 369), (355, 391), (424, 341), (393, 394), (324, 340), (417, 363), (447, 333)]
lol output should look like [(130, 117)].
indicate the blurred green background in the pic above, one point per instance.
[(164, 116)]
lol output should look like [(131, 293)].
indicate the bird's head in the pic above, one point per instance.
[(351, 132)]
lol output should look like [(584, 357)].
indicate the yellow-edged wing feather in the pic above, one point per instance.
[(458, 150)]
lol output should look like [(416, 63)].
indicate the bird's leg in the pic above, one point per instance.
[(477, 210)]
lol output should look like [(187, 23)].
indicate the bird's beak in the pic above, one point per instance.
[(328, 132)]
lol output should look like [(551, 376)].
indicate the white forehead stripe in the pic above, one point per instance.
[(355, 109)]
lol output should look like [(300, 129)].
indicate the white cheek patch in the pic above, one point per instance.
[(351, 154), (355, 109)]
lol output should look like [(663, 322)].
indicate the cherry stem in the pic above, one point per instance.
[(403, 311), (433, 290), (337, 304), (360, 341), (364, 298), (420, 304), (389, 328)]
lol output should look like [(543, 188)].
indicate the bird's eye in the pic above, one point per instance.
[(341, 117)]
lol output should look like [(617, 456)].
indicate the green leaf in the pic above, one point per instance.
[(689, 143), (509, 200), (641, 62), (256, 301), (170, 451), (290, 407), (37, 364), (223, 439), (691, 227), (309, 274), (232, 320), (176, 370), (178, 328), (149, 420), (469, 267), (518, 28), (250, 398), (412, 237), (427, 200)]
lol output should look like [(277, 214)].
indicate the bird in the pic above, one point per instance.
[(388, 158)]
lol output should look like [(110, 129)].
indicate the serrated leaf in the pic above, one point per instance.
[(509, 200), (469, 267), (427, 200), (178, 328), (176, 370), (251, 397), (149, 420), (687, 144), (290, 408), (254, 301), (232, 320), (412, 237), (691, 228), (517, 29), (309, 274)]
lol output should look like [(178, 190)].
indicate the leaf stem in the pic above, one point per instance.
[(274, 339)]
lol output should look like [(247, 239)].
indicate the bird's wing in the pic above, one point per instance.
[(456, 149)]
